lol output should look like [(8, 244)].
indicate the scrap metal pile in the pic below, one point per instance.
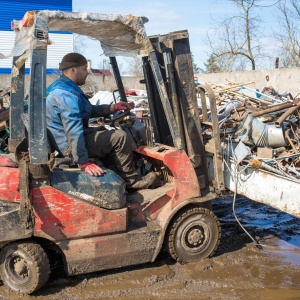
[(140, 99), (4, 117), (264, 125)]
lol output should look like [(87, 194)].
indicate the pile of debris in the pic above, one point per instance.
[(264, 125), (4, 104), (140, 99), (4, 117)]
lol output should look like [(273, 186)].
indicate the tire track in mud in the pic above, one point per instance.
[(238, 270)]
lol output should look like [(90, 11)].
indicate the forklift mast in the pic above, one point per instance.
[(170, 84), (174, 114), (172, 99)]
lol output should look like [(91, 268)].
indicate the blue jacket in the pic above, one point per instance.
[(68, 111)]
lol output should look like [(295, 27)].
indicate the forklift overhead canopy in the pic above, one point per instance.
[(118, 34)]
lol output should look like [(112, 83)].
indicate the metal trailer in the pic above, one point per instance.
[(256, 184)]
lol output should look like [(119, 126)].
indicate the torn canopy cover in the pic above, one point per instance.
[(119, 35)]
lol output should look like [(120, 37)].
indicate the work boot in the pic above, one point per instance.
[(143, 182)]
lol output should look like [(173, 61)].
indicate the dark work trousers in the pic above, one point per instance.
[(115, 145)]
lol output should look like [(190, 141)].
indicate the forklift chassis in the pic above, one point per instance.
[(92, 222)]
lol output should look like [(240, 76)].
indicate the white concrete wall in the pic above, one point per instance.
[(282, 80), (94, 83)]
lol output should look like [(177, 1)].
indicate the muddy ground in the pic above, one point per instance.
[(238, 270)]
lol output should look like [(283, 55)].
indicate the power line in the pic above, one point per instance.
[(268, 5)]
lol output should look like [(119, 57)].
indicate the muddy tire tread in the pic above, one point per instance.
[(171, 236), (40, 259)]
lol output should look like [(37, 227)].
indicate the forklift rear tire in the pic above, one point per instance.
[(24, 267), (193, 235)]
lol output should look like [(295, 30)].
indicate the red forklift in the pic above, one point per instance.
[(93, 222)]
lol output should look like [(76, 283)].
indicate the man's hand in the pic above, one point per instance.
[(7, 162), (92, 169), (123, 106)]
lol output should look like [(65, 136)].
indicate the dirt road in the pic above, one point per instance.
[(238, 270)]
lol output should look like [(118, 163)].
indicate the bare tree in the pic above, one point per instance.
[(237, 40), (289, 37), (196, 69), (106, 65), (79, 43), (211, 66), (135, 66)]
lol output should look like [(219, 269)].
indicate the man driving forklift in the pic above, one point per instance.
[(68, 111)]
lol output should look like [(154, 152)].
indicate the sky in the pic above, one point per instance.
[(197, 16)]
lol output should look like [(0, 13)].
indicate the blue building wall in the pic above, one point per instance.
[(15, 10)]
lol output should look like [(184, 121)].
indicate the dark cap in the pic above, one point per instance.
[(71, 60)]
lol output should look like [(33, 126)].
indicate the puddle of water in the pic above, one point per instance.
[(295, 240), (275, 294), (286, 250)]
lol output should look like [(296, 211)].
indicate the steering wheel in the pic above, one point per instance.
[(118, 116)]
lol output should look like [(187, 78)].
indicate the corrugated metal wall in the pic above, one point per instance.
[(7, 39), (61, 45), (15, 9)]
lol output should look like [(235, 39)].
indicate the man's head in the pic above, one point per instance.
[(74, 66)]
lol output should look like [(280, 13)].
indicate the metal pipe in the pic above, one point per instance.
[(293, 171), (158, 77), (272, 109), (286, 114), (262, 165), (268, 110), (266, 95), (290, 141), (115, 68), (175, 103), (278, 151), (296, 155), (151, 98)]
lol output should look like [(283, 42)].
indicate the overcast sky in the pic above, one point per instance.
[(197, 16)]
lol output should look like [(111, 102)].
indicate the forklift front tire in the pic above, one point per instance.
[(193, 235), (24, 267)]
